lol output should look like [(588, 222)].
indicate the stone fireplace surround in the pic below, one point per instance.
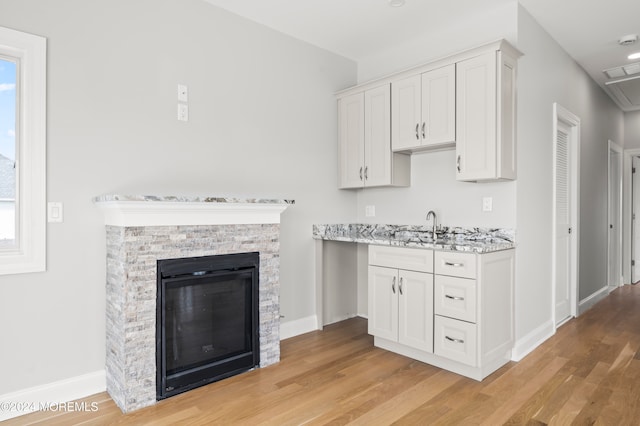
[(142, 229)]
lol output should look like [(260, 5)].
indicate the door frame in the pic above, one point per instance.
[(613, 147), (627, 212), (561, 114)]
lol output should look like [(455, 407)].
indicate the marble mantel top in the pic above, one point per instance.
[(168, 210)]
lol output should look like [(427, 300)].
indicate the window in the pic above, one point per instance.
[(22, 152)]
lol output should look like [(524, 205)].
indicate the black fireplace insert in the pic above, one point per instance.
[(207, 320)]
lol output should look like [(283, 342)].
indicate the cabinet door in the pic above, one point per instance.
[(377, 136), (351, 141), (406, 113), (476, 106), (415, 327), (439, 106), (383, 302)]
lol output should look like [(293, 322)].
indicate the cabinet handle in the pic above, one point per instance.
[(453, 297), (455, 265), (360, 173), (366, 172), (423, 130), (400, 287), (393, 285), (451, 339), (458, 164), (417, 134)]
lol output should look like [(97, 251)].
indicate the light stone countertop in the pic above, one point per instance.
[(188, 199), (476, 240)]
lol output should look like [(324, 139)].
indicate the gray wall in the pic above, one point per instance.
[(262, 123), (632, 130)]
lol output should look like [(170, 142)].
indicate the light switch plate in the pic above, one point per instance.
[(54, 212)]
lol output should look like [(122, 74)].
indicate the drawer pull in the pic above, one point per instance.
[(455, 265), (453, 297), (451, 339)]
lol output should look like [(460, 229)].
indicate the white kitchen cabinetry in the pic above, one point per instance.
[(472, 308), (423, 110), (485, 116), (401, 300), (364, 141)]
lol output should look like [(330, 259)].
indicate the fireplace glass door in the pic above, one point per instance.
[(207, 324)]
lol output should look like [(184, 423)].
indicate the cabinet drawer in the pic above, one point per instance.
[(455, 340), (401, 258), (455, 297), (455, 264)]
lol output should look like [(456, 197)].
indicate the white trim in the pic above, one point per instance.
[(612, 146), (31, 51), (564, 115), (298, 327), (159, 213), (32, 399), (532, 340), (627, 201), (591, 300)]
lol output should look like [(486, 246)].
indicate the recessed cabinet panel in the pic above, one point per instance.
[(383, 302), (455, 298), (401, 258), (456, 340), (415, 326), (351, 140), (456, 264)]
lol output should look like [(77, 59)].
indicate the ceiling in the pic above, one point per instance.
[(588, 30)]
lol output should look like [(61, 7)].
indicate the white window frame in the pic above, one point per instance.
[(29, 253)]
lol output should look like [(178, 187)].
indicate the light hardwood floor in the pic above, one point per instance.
[(588, 373)]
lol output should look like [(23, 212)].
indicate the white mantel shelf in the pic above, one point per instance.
[(151, 210)]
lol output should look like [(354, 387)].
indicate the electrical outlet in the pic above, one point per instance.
[(370, 211), (487, 204), (183, 112), (183, 93)]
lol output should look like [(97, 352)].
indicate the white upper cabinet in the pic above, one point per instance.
[(485, 118), (466, 101), (364, 123), (423, 110)]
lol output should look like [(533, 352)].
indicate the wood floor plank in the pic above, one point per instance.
[(587, 373)]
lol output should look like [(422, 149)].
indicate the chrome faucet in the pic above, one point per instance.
[(432, 215)]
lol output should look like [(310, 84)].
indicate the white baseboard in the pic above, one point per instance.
[(532, 340), (588, 302), (52, 395), (296, 327)]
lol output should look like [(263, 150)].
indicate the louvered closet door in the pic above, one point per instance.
[(563, 225)]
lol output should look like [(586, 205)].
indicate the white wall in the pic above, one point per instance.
[(632, 130), (262, 123), (547, 75)]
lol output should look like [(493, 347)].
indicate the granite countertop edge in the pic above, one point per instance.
[(462, 239)]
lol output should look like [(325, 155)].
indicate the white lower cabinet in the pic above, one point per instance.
[(460, 317), (401, 300)]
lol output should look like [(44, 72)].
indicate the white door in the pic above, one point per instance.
[(615, 216), (415, 324), (635, 269), (405, 113), (563, 223), (351, 140), (377, 136), (383, 302), (439, 106)]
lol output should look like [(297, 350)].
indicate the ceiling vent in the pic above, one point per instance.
[(628, 39), (624, 85)]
